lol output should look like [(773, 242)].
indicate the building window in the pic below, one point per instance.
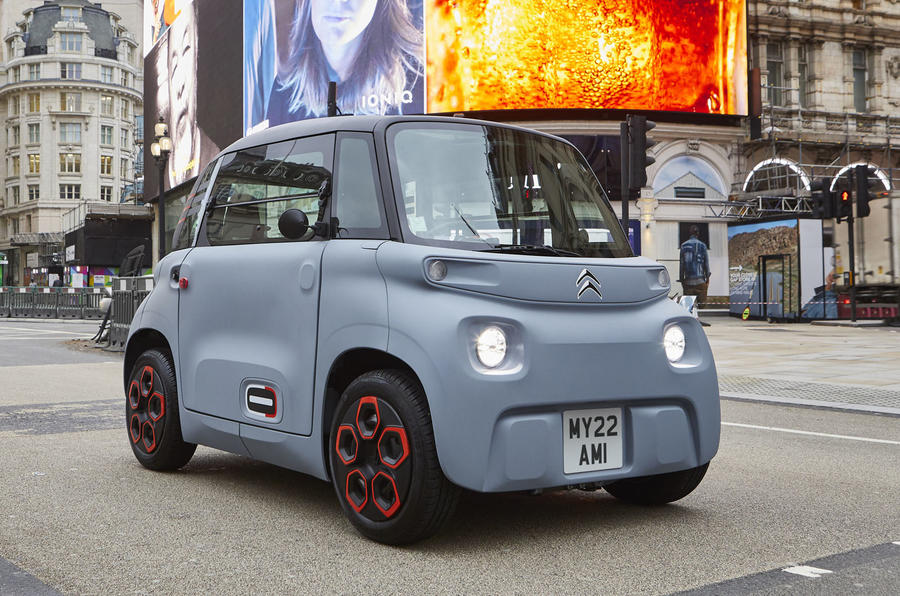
[(129, 55), (106, 105), (15, 165), (106, 193), (70, 70), (70, 191), (13, 105), (860, 81), (106, 135), (106, 74), (13, 226), (125, 109), (34, 103), (70, 102), (34, 71), (803, 73), (70, 163), (34, 133), (106, 165), (125, 78), (71, 14), (70, 42), (124, 138), (16, 74), (70, 132), (14, 194), (775, 66), (34, 192), (14, 137), (123, 168), (10, 51), (34, 163)]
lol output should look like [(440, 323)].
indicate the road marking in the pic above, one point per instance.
[(814, 434), (807, 571), (897, 543), (36, 330)]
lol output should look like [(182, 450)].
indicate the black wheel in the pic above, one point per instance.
[(151, 409), (384, 464), (659, 489)]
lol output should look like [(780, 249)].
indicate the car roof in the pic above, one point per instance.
[(315, 126)]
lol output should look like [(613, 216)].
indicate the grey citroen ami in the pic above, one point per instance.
[(408, 306)]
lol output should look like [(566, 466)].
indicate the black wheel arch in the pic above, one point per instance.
[(140, 342)]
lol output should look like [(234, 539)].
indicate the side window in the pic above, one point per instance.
[(255, 186), (357, 205), (190, 216)]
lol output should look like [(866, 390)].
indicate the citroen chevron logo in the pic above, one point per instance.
[(586, 281)]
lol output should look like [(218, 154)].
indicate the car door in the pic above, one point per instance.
[(249, 305)]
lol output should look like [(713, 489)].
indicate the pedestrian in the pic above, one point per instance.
[(694, 268)]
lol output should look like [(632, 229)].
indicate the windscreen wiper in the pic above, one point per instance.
[(532, 249)]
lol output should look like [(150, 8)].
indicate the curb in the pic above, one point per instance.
[(48, 321), (813, 403)]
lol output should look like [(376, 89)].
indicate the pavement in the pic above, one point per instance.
[(844, 367)]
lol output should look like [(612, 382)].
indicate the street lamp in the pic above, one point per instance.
[(160, 149)]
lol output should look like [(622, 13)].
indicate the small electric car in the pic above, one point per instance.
[(408, 306)]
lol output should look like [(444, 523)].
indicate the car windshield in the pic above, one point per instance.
[(500, 189)]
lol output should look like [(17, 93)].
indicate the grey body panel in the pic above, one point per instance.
[(489, 427), (494, 430)]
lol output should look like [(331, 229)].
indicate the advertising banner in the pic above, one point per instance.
[(764, 275), (216, 70)]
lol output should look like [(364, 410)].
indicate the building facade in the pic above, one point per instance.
[(70, 90), (830, 76)]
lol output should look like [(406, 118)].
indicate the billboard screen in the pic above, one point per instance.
[(415, 56), (192, 80), (219, 69)]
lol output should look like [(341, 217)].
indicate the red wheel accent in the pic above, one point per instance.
[(366, 405), (147, 429), (393, 460), (134, 428), (341, 447), (154, 410), (354, 502), (147, 370), (384, 494), (134, 395)]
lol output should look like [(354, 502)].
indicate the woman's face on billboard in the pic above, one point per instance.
[(338, 22)]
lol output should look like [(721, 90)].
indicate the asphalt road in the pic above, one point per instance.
[(789, 486)]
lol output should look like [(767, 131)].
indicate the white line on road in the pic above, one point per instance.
[(807, 571), (814, 434), (46, 338), (35, 330)]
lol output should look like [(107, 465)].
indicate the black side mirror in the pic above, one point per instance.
[(293, 224)]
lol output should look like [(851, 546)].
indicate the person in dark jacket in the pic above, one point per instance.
[(694, 268)]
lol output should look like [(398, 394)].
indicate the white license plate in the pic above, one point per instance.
[(592, 440)]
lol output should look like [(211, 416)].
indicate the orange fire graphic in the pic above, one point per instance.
[(628, 54)]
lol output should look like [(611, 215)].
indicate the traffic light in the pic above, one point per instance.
[(822, 199), (638, 146), (845, 204), (864, 193)]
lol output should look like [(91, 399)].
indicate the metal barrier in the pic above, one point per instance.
[(70, 303), (52, 303), (21, 302), (128, 293)]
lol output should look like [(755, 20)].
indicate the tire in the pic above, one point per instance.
[(384, 465), (659, 489), (151, 414)]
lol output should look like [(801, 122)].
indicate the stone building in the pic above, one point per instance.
[(71, 89), (830, 72)]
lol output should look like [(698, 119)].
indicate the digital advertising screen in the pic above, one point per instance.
[(217, 70)]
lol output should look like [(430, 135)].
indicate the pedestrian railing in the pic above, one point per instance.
[(51, 303)]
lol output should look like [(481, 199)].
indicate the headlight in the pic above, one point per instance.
[(664, 278), (673, 342), (490, 346)]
